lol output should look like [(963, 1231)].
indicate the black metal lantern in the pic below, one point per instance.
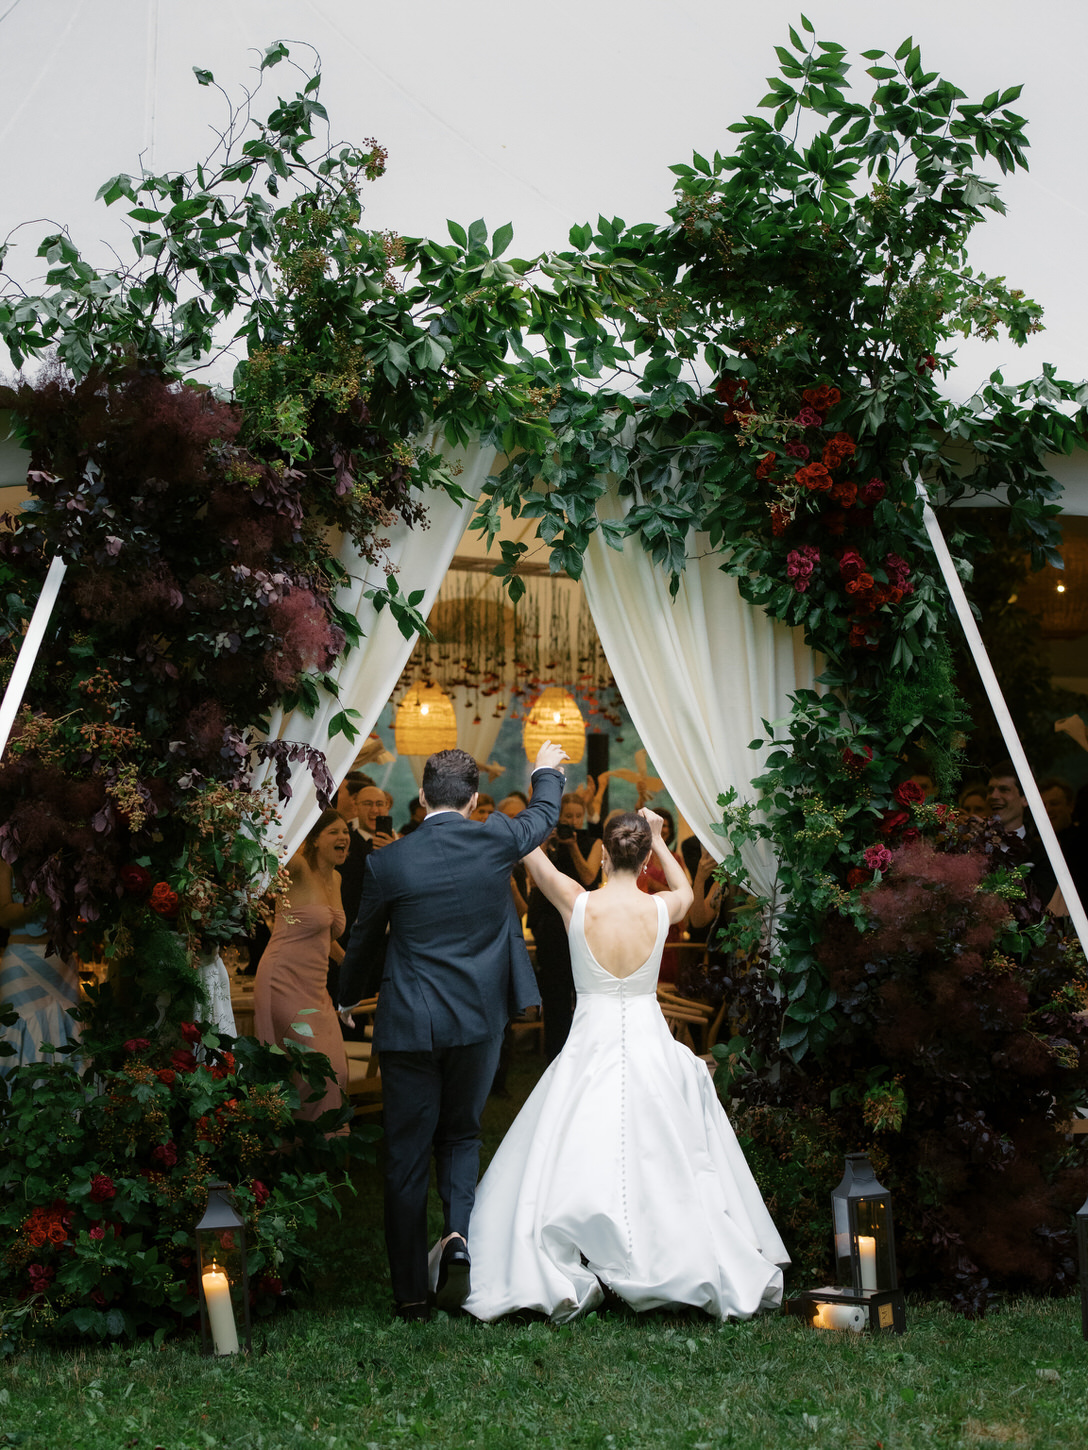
[(1082, 1249), (867, 1294), (861, 1213), (223, 1288)]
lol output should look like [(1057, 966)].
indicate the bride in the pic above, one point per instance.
[(622, 1171)]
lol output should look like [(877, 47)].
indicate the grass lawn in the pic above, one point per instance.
[(338, 1372)]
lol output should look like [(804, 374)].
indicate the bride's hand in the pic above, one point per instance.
[(654, 821)]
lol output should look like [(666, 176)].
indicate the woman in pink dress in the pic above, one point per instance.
[(291, 979)]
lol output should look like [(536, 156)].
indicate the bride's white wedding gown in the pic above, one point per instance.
[(622, 1168)]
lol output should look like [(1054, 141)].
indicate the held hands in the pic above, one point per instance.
[(550, 755)]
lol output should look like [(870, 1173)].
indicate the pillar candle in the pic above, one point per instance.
[(840, 1316), (867, 1254), (220, 1313)]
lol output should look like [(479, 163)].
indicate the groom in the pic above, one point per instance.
[(456, 969)]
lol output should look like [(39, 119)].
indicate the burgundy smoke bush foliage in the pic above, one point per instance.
[(968, 1004), (306, 640)]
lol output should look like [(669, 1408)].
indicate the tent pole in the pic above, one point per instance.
[(1004, 719), (28, 650)]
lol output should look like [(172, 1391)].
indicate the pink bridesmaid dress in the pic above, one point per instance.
[(292, 976)]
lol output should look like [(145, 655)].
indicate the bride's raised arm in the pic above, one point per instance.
[(678, 894), (562, 891)]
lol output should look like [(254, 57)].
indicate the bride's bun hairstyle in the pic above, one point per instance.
[(627, 839), (450, 779), (323, 822)]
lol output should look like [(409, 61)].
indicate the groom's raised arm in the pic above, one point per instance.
[(540, 817)]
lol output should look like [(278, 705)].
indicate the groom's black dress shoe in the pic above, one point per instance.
[(413, 1313), (452, 1288)]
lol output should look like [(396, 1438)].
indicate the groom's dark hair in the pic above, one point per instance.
[(450, 779)]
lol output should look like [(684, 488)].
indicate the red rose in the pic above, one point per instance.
[(271, 1284), (165, 1154), (861, 585), (909, 793), (892, 821), (851, 564), (102, 1189), (166, 1075), (765, 467), (845, 494), (164, 900), (815, 477), (137, 1044), (873, 492), (260, 1192), (135, 879), (878, 858), (96, 1231), (858, 876), (780, 521), (855, 761), (183, 1060), (190, 1031)]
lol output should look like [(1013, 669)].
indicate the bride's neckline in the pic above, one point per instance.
[(617, 976)]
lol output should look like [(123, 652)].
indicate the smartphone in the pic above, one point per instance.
[(383, 826)]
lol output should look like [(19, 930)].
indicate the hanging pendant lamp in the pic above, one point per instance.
[(555, 716), (426, 721)]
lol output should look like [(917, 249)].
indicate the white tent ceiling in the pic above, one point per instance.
[(539, 115)]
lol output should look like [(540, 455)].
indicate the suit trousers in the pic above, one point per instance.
[(431, 1100)]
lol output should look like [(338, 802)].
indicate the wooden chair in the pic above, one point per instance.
[(692, 1022)]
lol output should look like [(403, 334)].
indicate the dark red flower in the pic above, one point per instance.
[(260, 1192), (855, 761), (164, 900), (851, 564), (873, 492), (102, 1189), (190, 1031), (766, 464), (845, 494), (135, 879), (909, 793), (815, 477), (165, 1154), (137, 1044), (892, 820), (183, 1060), (166, 1075), (96, 1231), (858, 876)]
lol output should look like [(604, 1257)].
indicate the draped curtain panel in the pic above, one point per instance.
[(698, 674), (367, 676)]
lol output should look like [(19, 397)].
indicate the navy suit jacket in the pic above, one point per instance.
[(456, 965)]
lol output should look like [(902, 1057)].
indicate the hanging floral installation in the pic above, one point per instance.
[(501, 656)]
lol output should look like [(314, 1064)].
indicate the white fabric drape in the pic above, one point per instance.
[(698, 674), (367, 676)]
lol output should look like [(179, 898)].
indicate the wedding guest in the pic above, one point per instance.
[(513, 804), (1005, 799), (974, 799), (40, 987), (293, 971), (1059, 799), (416, 813), (485, 806)]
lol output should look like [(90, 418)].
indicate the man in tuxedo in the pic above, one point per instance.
[(456, 970)]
